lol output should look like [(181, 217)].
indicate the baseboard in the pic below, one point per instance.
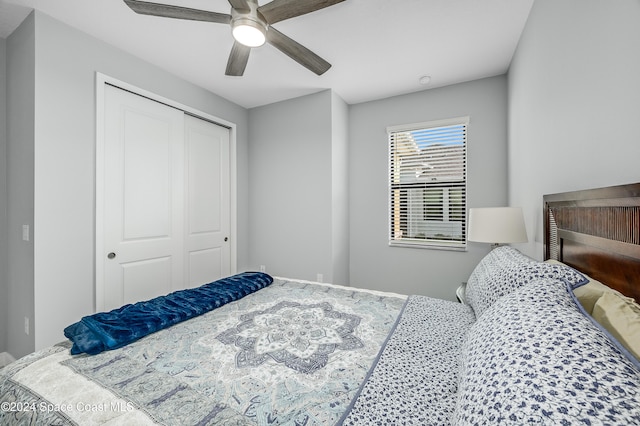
[(6, 359)]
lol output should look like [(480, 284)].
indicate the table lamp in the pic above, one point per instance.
[(497, 225)]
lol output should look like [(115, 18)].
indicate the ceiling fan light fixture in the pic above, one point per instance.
[(250, 27), (249, 32)]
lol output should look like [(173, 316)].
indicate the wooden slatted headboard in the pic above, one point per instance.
[(597, 231)]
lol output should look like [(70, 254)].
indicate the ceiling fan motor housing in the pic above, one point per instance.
[(249, 27)]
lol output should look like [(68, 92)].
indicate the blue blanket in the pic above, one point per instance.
[(119, 327)]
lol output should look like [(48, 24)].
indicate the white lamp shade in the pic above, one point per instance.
[(497, 225)]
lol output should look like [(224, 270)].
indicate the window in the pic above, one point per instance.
[(427, 184)]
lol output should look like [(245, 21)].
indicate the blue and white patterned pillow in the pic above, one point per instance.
[(535, 358), (504, 270), (490, 278)]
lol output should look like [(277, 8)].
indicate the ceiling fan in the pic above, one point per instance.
[(251, 27)]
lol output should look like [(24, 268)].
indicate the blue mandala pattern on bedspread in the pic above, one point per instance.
[(299, 336)]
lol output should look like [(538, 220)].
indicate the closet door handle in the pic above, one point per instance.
[(111, 255)]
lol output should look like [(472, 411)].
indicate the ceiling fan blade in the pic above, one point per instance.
[(178, 12), (240, 5), (279, 10), (297, 52), (237, 59)]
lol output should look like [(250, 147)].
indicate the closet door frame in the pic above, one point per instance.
[(101, 81)]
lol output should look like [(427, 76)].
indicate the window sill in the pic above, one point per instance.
[(429, 246)]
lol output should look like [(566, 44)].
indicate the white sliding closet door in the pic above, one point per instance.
[(207, 202), (165, 201)]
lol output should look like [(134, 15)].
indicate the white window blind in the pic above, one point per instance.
[(427, 184)]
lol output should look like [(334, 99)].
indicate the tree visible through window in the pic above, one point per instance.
[(427, 184)]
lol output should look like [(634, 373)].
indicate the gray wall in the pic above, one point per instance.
[(4, 291), (61, 78), (574, 103), (20, 185), (434, 273), (297, 173), (340, 189)]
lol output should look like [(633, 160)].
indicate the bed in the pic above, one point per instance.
[(523, 348)]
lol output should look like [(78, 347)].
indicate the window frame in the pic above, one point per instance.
[(448, 210)]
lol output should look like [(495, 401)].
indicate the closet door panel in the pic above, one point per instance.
[(208, 202)]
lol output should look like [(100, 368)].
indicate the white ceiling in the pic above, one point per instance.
[(378, 48)]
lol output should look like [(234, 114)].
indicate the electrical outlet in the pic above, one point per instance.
[(263, 268), (26, 325), (319, 278)]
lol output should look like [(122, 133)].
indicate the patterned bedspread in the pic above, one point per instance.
[(293, 353), (415, 380)]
